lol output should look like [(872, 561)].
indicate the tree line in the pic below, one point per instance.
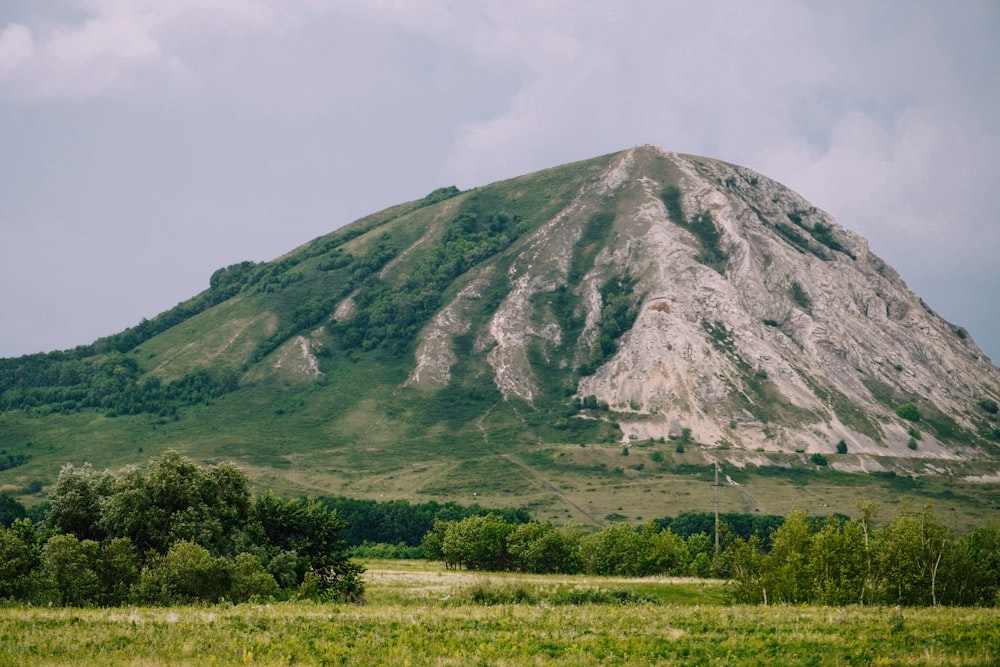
[(111, 383), (173, 532), (491, 543), (399, 523), (912, 560)]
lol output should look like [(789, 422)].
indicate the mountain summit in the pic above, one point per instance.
[(638, 298)]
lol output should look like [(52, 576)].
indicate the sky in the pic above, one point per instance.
[(146, 143)]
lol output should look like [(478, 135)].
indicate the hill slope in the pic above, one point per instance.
[(580, 340)]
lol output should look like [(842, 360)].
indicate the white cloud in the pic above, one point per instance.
[(16, 46), (97, 54), (921, 180), (115, 41), (884, 114)]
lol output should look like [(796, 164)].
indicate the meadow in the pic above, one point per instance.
[(418, 613)]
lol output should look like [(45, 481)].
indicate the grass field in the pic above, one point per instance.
[(419, 614)]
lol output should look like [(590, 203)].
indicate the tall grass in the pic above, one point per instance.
[(417, 615)]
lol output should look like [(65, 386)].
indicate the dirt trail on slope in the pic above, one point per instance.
[(542, 481)]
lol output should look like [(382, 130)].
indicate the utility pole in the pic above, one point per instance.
[(716, 508)]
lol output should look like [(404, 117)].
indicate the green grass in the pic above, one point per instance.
[(419, 614), (334, 443)]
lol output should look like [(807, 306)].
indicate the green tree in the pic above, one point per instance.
[(787, 577), (311, 531), (909, 554), (174, 499), (838, 563), (11, 510), (249, 580), (543, 548), (982, 552), (17, 561), (202, 535), (700, 549), (663, 552), (433, 542), (748, 565), (478, 543), (76, 501), (118, 570), (284, 566), (615, 549), (72, 565)]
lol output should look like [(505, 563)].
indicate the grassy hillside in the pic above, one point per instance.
[(296, 369)]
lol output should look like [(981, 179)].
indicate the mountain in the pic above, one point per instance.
[(586, 341)]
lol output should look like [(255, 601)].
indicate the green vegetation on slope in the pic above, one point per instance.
[(703, 227), (619, 308), (391, 315), (110, 382)]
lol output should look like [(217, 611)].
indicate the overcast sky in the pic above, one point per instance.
[(146, 143)]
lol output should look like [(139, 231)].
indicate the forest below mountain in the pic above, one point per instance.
[(176, 532)]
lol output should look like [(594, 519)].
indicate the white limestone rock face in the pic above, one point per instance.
[(435, 353), (815, 324)]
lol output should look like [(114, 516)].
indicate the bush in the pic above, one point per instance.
[(684, 440), (489, 593), (385, 550), (188, 573), (989, 406), (580, 596), (818, 459), (909, 412), (800, 297), (250, 580), (841, 447)]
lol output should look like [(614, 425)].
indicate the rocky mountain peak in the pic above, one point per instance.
[(760, 323)]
